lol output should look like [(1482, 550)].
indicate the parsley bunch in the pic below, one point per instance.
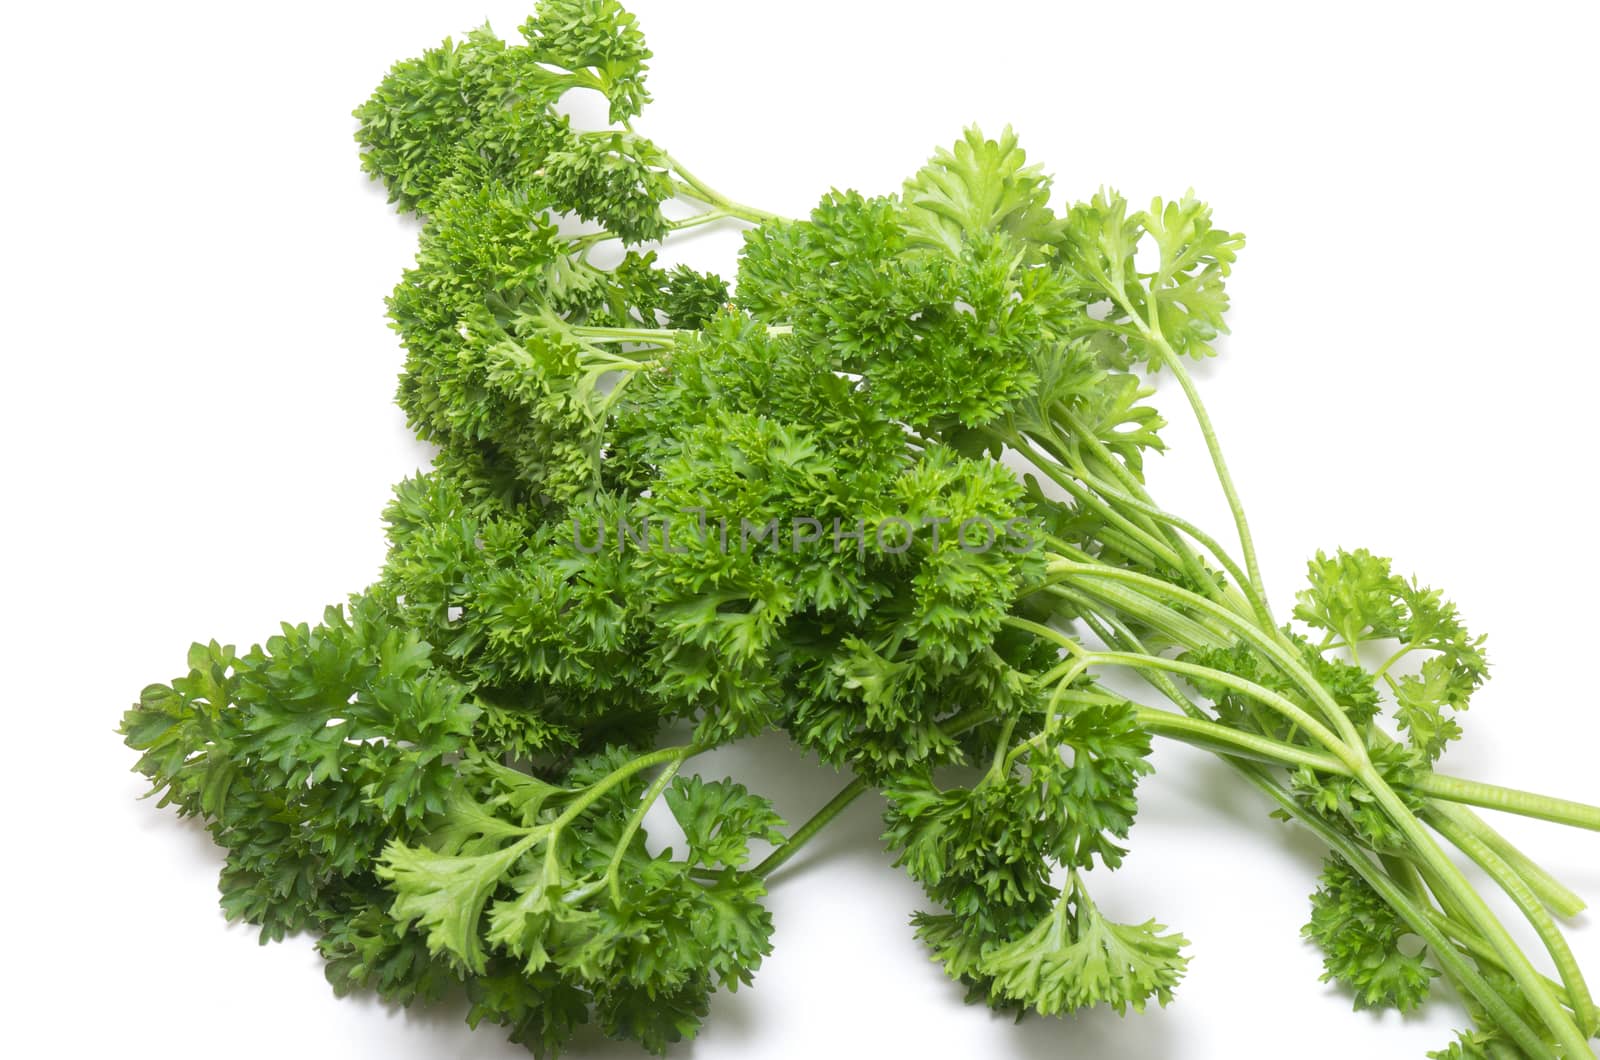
[(664, 504)]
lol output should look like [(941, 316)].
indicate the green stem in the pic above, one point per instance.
[(952, 726), (1062, 415), (1479, 948), (664, 337), (1114, 541), (1246, 543), (1054, 636), (1405, 649), (1257, 605), (1422, 843), (587, 798), (1556, 1019), (1260, 694), (1562, 901), (635, 820), (1419, 921), (1417, 916), (1057, 474), (1268, 642), (1176, 626), (1510, 800), (1537, 915), (817, 823), (1066, 568), (1086, 437), (1210, 735), (1068, 451), (1208, 630), (594, 239), (1003, 743), (1454, 891), (654, 336), (696, 188)]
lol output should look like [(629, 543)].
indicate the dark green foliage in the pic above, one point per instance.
[(943, 333), (490, 108), (658, 505), (987, 855), (303, 755)]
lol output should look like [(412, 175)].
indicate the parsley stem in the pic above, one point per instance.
[(1175, 625), (1214, 736), (1510, 800), (817, 823), (1556, 1019), (1206, 541), (1080, 493), (1181, 555), (1550, 890), (1532, 909), (1084, 435), (1211, 735), (1265, 696), (1003, 742), (635, 820), (1420, 919), (1465, 975), (1151, 330), (1247, 543), (1383, 671), (594, 239), (657, 336), (1277, 648), (1445, 878), (1055, 636), (1144, 661), (850, 792), (696, 188), (1198, 732), (1480, 949), (593, 792)]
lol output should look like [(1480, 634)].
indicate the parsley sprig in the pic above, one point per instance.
[(448, 778)]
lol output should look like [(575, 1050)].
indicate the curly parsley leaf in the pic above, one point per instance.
[(1362, 941)]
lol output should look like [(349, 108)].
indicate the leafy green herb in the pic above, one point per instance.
[(661, 502)]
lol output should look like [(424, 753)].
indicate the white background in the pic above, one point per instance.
[(199, 438)]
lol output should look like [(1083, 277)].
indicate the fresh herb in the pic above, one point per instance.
[(664, 505)]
